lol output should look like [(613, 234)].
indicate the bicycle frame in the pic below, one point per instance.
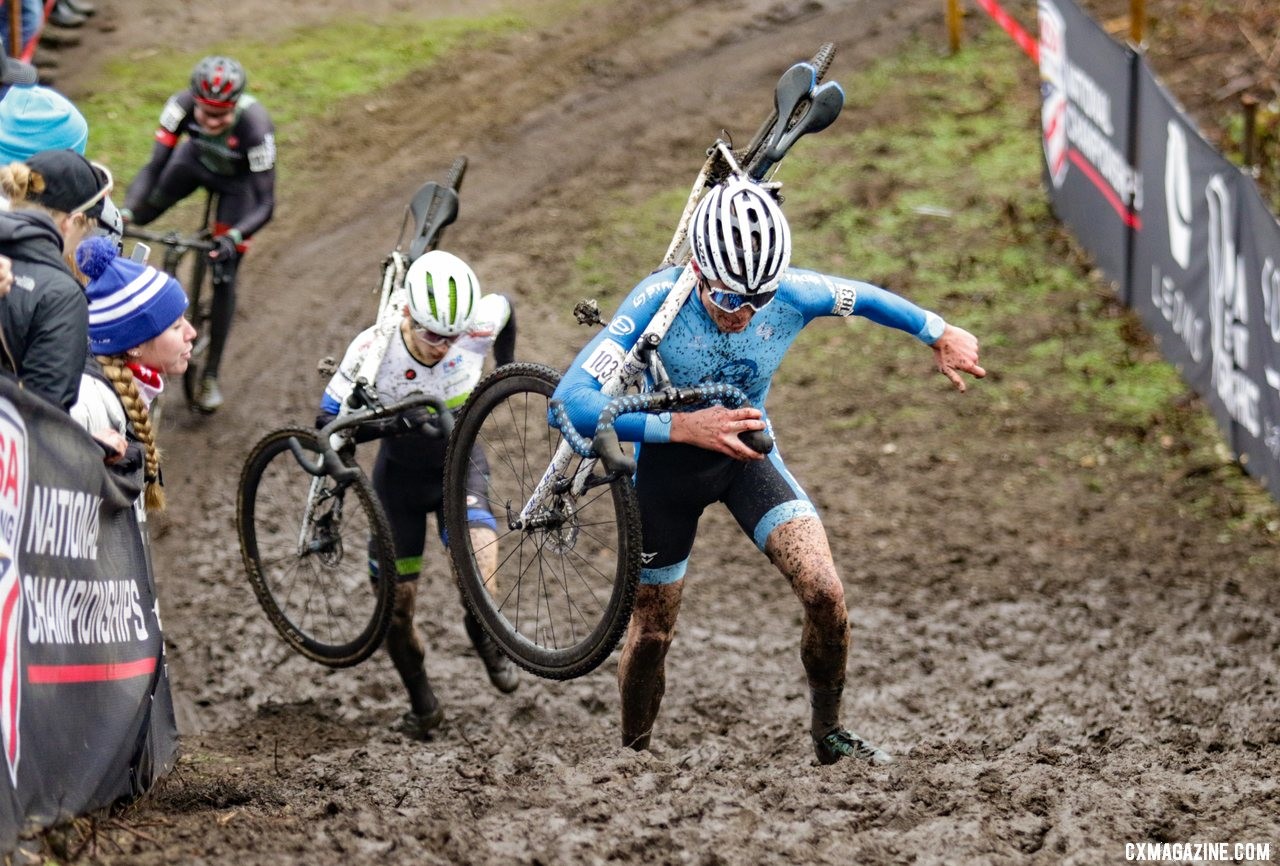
[(643, 357)]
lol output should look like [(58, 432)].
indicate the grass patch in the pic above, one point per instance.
[(942, 201), (302, 78)]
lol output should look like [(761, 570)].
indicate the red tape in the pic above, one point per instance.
[(1013, 28)]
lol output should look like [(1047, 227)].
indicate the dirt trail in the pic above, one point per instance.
[(1053, 686)]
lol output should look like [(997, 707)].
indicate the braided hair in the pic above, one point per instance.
[(121, 379)]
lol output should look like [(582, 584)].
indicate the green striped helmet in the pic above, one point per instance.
[(443, 293)]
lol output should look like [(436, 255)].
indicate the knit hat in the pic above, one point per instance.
[(70, 182), (35, 118), (129, 303), (14, 71)]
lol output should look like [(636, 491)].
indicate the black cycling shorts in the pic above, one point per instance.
[(676, 482), (408, 477)]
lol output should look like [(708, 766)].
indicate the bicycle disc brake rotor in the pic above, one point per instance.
[(326, 539), (561, 535)]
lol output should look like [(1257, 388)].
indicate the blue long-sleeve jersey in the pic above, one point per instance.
[(696, 351)]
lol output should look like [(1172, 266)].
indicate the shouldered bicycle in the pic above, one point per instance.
[(568, 554), (309, 522)]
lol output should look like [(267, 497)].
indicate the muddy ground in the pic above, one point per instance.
[(1065, 655)]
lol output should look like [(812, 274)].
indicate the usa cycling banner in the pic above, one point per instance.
[(1086, 91), (85, 711)]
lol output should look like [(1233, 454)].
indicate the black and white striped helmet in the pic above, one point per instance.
[(740, 237)]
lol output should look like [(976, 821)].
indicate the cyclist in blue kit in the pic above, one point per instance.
[(747, 310)]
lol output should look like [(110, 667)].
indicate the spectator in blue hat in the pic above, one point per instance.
[(138, 335), (34, 118)]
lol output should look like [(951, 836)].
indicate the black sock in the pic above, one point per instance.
[(824, 704)]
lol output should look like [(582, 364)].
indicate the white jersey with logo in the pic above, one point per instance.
[(402, 376)]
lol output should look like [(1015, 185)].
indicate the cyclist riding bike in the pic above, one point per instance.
[(748, 308), (230, 151), (447, 330)]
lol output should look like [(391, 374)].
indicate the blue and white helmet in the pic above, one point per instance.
[(740, 237), (444, 293)]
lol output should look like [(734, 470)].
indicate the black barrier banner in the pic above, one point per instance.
[(1086, 92), (1204, 277), (85, 711), (1188, 225), (1257, 264)]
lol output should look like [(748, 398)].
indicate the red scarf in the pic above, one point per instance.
[(148, 376)]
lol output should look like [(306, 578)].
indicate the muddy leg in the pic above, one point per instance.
[(501, 670), (642, 676), (407, 653), (800, 551)]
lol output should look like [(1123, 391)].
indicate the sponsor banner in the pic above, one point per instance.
[(1204, 277), (85, 712), (1258, 262), (1189, 225), (1086, 95)]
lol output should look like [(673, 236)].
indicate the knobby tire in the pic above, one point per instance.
[(324, 604), (564, 592)]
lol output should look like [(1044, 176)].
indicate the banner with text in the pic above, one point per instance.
[(85, 712), (1086, 83), (1195, 250)]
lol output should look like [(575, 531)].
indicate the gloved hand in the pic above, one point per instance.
[(224, 249), (421, 420)]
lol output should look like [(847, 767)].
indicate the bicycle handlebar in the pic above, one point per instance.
[(172, 238), (330, 462), (606, 446)]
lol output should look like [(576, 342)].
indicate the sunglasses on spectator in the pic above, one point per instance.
[(431, 338), (731, 302)]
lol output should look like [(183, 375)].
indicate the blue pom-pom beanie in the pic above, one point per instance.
[(129, 303)]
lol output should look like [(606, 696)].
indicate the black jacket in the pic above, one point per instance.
[(45, 317)]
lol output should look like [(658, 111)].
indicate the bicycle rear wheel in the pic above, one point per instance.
[(561, 590), (307, 545)]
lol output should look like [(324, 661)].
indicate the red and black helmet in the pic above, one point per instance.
[(218, 81)]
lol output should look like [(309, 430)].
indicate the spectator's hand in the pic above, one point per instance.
[(126, 215), (113, 444), (6, 276), (956, 351), (224, 249), (717, 429)]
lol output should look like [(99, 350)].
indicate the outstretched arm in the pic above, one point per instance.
[(956, 351)]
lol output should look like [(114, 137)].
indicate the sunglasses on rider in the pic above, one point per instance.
[(731, 302), (431, 338)]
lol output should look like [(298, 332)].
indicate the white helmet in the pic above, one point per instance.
[(740, 237), (443, 293)]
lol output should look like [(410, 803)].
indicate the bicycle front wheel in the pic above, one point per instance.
[(555, 592), (200, 314), (308, 545)]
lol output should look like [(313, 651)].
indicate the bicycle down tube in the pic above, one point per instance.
[(633, 367)]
